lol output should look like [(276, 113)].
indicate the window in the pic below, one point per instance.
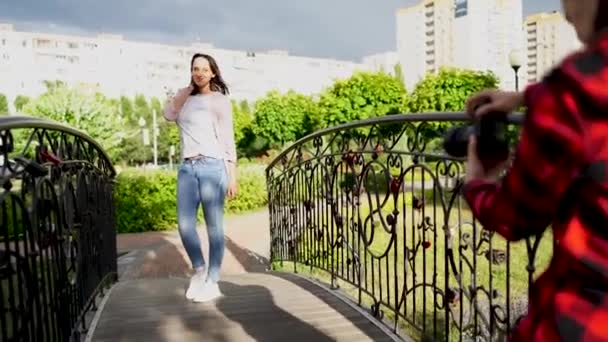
[(42, 43)]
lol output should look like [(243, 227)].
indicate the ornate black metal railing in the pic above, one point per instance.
[(57, 236), (376, 205)]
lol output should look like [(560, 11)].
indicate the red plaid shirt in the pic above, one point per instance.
[(559, 177)]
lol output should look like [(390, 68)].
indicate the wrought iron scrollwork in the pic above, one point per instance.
[(57, 231), (377, 206)]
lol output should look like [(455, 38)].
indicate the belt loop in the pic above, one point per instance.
[(195, 158)]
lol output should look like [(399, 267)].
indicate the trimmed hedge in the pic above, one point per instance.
[(146, 200)]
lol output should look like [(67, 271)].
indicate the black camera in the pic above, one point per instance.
[(490, 131)]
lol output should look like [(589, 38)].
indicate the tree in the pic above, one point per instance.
[(126, 108), (242, 121), (52, 85), (168, 133), (90, 113), (244, 107), (3, 105), (21, 101), (446, 91), (398, 72), (362, 96), (281, 118), (141, 109)]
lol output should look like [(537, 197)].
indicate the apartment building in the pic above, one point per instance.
[(472, 34), (549, 38), (116, 66), (424, 42), (385, 61)]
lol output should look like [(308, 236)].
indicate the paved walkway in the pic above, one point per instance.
[(161, 254), (256, 307), (148, 303)]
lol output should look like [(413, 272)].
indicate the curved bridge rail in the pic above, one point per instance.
[(375, 204), (57, 229)]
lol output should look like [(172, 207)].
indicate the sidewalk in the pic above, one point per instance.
[(161, 254)]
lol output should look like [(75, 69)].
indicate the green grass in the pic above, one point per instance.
[(420, 315)]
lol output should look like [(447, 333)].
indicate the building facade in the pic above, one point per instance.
[(385, 61), (424, 43), (549, 38), (471, 34), (116, 67)]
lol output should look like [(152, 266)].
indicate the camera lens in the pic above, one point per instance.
[(456, 141)]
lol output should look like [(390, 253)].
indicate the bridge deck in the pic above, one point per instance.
[(255, 307)]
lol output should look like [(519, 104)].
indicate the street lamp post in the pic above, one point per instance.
[(171, 154), (515, 60), (146, 135), (155, 137)]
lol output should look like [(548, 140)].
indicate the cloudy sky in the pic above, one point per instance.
[(345, 29)]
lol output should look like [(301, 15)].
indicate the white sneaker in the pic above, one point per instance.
[(197, 284), (210, 292)]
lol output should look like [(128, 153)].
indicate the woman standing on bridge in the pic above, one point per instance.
[(207, 175)]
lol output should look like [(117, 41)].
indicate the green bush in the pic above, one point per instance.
[(146, 200), (252, 192)]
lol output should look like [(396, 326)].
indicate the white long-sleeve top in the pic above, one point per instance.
[(205, 122)]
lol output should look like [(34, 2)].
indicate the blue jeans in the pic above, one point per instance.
[(202, 182)]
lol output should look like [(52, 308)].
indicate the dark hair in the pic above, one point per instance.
[(217, 82), (601, 18)]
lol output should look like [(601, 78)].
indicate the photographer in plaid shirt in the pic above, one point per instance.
[(559, 177)]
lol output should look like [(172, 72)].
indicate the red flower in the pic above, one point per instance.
[(395, 185)]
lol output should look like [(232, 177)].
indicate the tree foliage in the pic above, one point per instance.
[(362, 96), (281, 118), (448, 90), (141, 108), (270, 123), (90, 113), (243, 121), (126, 109), (3, 105), (21, 101), (398, 72)]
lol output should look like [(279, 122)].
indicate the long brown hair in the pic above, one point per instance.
[(601, 19), (217, 82)]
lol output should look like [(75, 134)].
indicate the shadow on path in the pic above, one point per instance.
[(253, 307), (249, 260), (252, 262)]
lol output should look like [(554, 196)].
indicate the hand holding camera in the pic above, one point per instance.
[(484, 142), (493, 101)]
